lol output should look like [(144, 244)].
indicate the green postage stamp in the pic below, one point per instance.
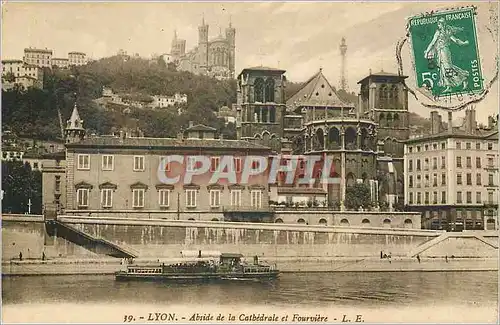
[(445, 52)]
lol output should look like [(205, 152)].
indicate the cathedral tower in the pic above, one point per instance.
[(203, 46)]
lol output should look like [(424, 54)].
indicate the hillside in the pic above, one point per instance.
[(33, 113)]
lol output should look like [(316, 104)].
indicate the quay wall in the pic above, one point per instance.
[(167, 238)]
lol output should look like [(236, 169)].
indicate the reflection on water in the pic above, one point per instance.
[(315, 289)]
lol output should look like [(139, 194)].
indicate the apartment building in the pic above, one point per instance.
[(20, 73), (38, 57), (451, 176), (61, 63), (77, 58)]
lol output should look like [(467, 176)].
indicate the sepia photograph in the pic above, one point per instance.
[(250, 162)]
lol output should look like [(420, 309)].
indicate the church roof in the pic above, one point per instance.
[(317, 91), (264, 69), (382, 74)]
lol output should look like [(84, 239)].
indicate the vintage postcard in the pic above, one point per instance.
[(250, 162)]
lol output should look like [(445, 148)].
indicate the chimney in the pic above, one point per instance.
[(450, 123), (435, 122), (491, 122)]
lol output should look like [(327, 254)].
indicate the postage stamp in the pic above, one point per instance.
[(445, 52)]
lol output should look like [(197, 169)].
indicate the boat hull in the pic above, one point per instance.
[(202, 277)]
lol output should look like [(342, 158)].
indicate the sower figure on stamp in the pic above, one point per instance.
[(449, 74)]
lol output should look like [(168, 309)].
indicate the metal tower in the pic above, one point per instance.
[(343, 76)]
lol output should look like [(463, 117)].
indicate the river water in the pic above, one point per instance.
[(382, 296)]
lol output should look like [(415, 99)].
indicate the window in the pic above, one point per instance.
[(164, 163), (490, 179), (419, 198), (426, 147), (138, 198), (468, 162), (468, 146), (214, 163), (418, 164), (410, 200), (434, 146), (426, 184), (191, 198), (434, 197), (478, 197), (459, 145), (443, 179), (237, 165), (478, 179), (490, 162), (410, 181), (190, 164), (490, 146), (107, 162), (215, 198), (434, 163), (459, 179), (435, 180), (478, 162), (490, 197), (426, 198), (469, 178), (57, 187), (410, 165), (443, 162), (459, 197), (468, 197), (84, 162), (164, 198), (443, 197), (419, 178), (82, 197), (478, 146), (107, 197), (256, 198), (138, 163), (459, 162), (410, 149), (426, 164), (418, 148), (235, 197)]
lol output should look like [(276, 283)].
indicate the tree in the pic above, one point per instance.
[(358, 195), (20, 185)]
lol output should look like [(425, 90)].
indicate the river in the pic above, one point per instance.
[(435, 294)]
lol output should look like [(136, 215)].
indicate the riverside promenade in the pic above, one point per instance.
[(66, 266)]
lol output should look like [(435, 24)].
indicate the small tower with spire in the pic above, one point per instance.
[(74, 131)]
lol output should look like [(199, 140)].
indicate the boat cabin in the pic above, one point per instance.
[(230, 259)]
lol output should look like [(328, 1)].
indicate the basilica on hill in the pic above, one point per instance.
[(364, 141), (215, 57)]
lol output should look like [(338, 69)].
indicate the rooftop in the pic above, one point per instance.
[(165, 143), (264, 69), (457, 133), (32, 49), (382, 74), (317, 91)]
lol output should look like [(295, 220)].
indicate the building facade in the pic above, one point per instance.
[(38, 57), (20, 73), (215, 57), (77, 58), (452, 175), (61, 63)]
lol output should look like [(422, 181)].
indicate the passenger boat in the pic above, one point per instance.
[(227, 267)]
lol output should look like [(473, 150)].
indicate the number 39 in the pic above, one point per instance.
[(429, 78)]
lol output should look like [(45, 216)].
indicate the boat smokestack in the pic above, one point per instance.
[(199, 253)]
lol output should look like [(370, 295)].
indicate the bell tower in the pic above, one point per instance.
[(74, 131)]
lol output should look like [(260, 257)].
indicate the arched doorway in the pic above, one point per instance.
[(490, 224), (279, 220), (301, 221), (408, 223), (323, 221), (365, 222), (215, 219), (387, 223)]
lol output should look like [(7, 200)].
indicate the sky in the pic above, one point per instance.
[(299, 37)]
